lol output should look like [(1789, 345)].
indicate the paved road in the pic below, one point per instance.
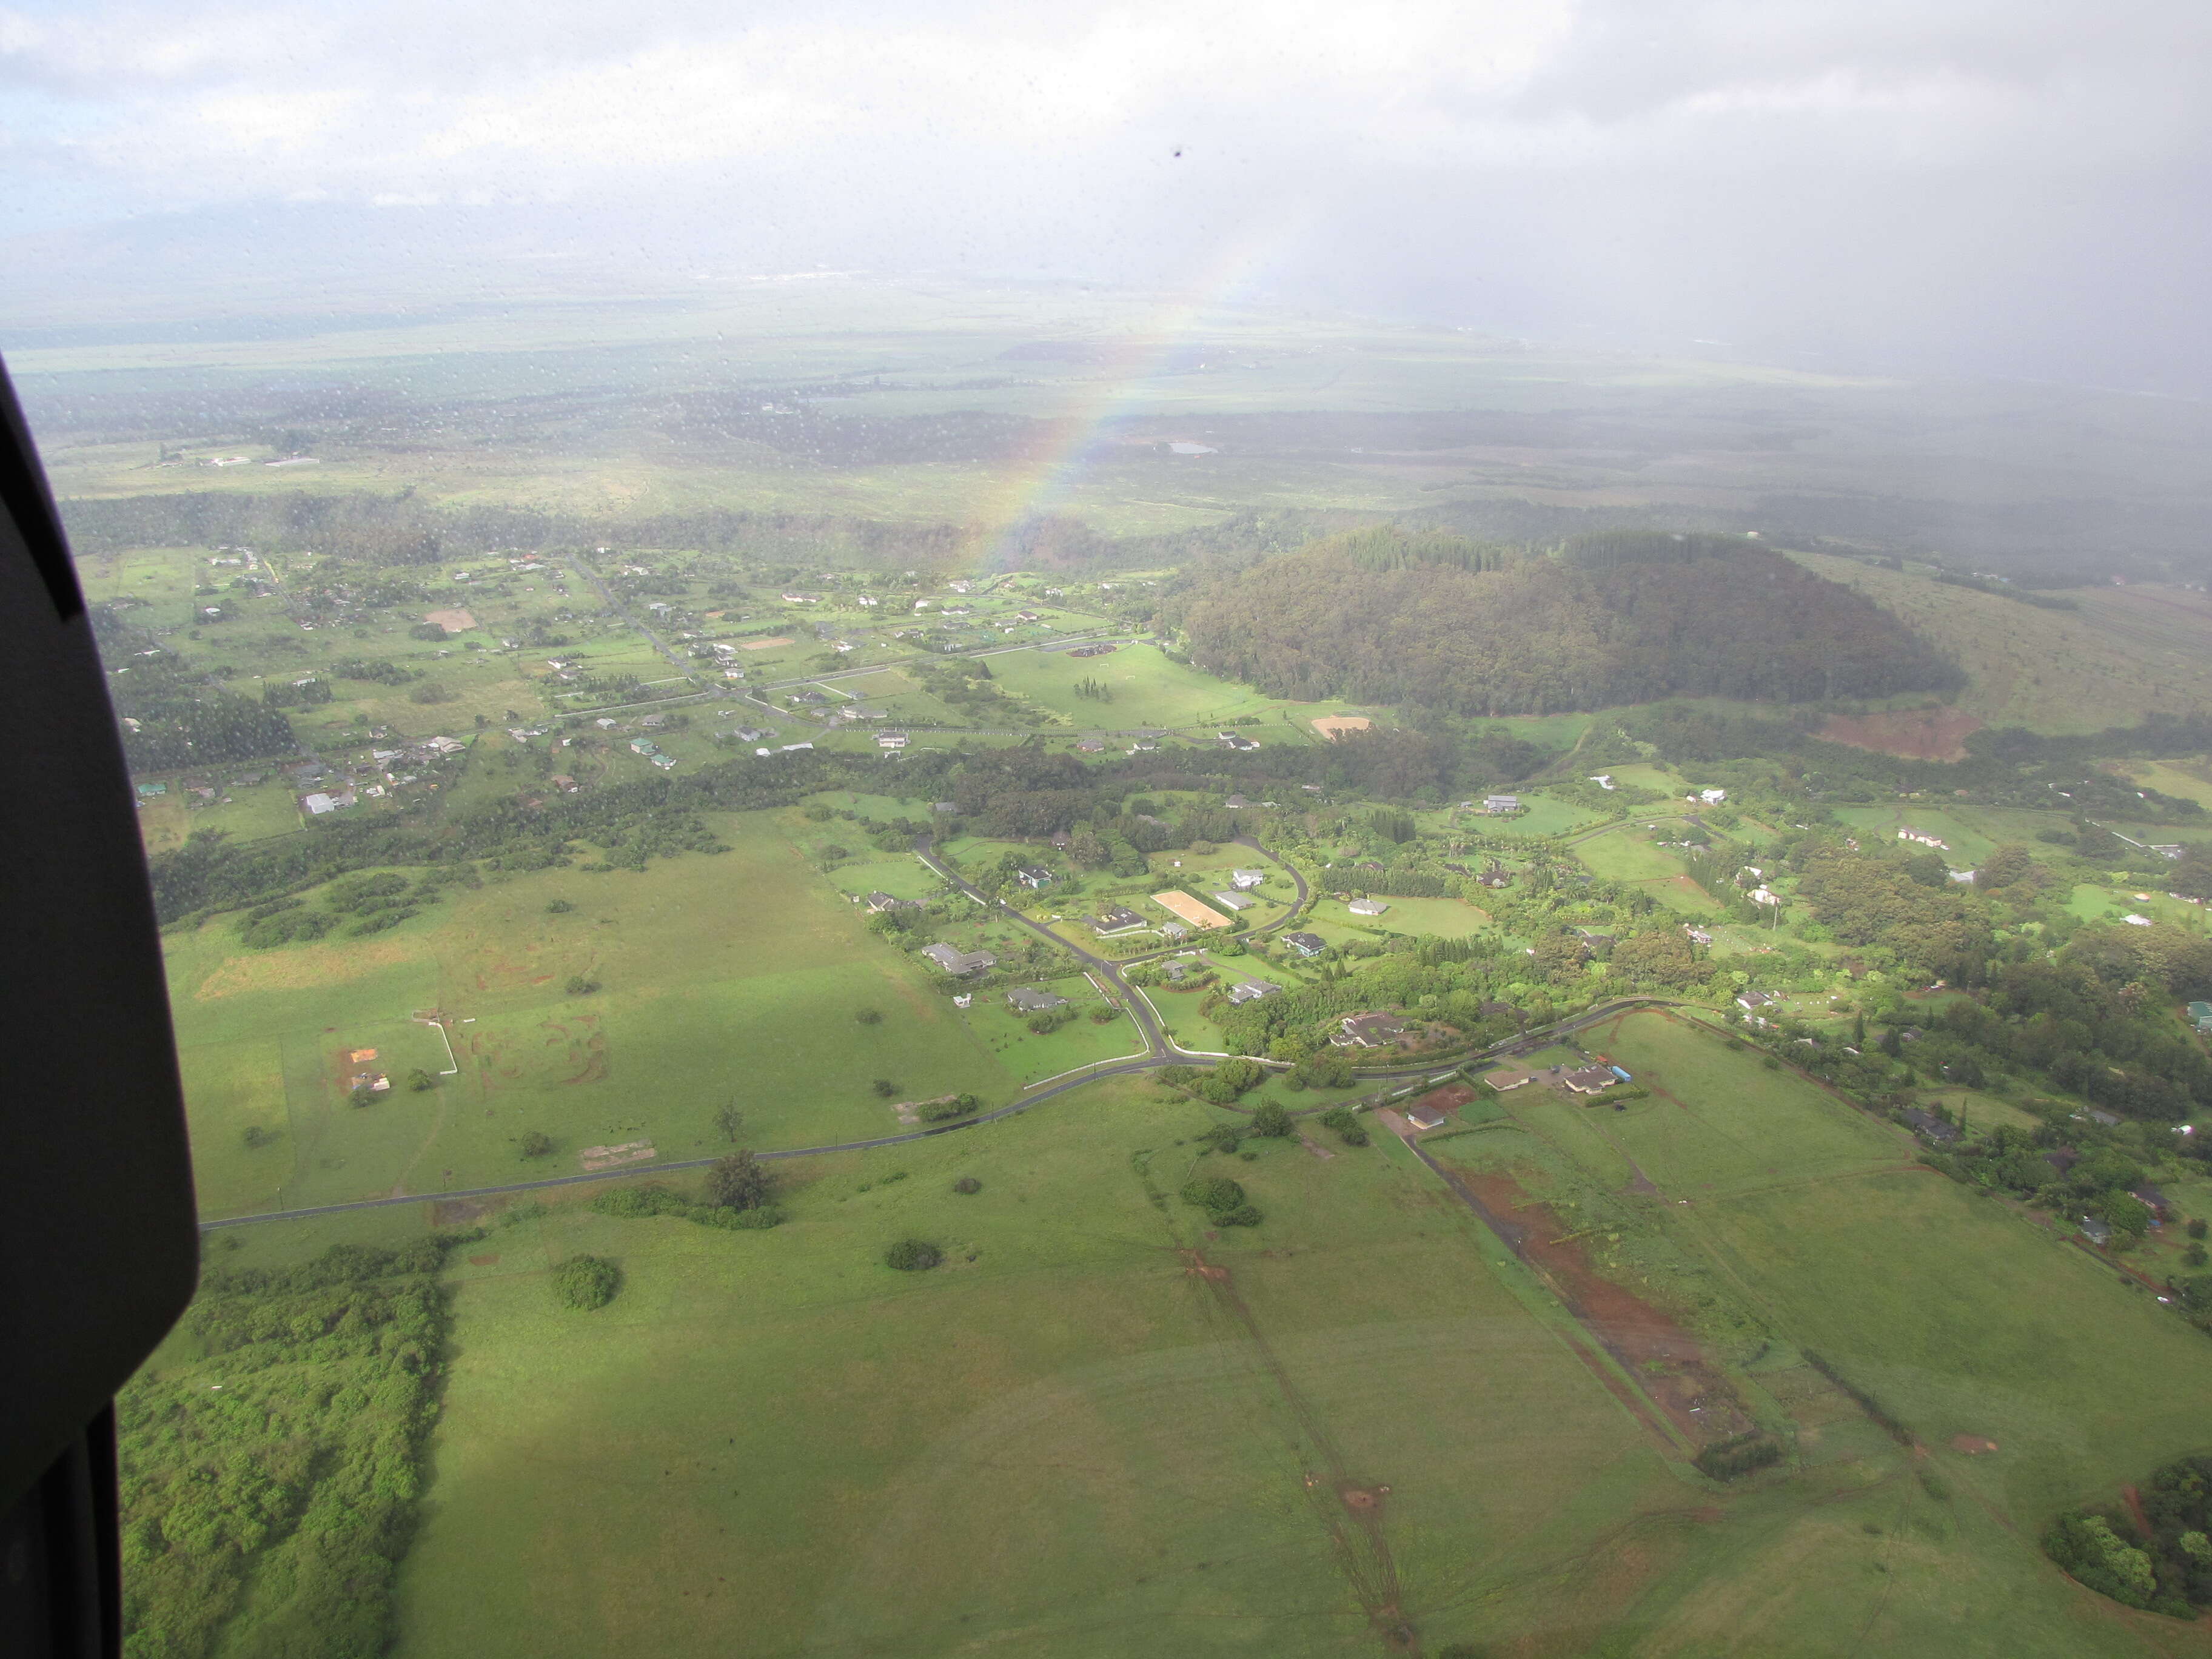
[(1527, 1042)]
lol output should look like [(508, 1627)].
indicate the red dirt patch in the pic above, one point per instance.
[(484, 1260), (1915, 734), (1450, 1098), (1665, 1360), (1973, 1444)]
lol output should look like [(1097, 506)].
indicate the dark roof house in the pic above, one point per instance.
[(1028, 999), (957, 963), (1368, 1030)]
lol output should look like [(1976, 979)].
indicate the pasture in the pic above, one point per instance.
[(733, 979), (1545, 816), (1064, 1433), (1148, 689)]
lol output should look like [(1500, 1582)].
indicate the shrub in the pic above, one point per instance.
[(1212, 1192), (559, 908), (1272, 1120), (739, 1181), (421, 1081), (966, 1184), (940, 1111), (256, 1137), (578, 985), (913, 1255), (2196, 1228), (885, 1088), (870, 1016), (535, 1143), (1346, 1124), (585, 1282), (1223, 1201), (1738, 1456)]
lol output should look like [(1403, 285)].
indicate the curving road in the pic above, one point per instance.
[(1526, 1042)]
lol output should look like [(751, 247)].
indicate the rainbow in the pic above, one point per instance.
[(1128, 381)]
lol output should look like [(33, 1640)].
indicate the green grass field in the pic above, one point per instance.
[(729, 978), (1547, 817), (1148, 689), (1061, 1437)]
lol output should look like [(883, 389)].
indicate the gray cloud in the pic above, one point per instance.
[(1944, 184)]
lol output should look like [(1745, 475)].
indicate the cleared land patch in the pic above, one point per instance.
[(1183, 905), (1938, 735)]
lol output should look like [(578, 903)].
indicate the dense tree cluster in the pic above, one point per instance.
[(2170, 1571), (283, 1459), (1585, 629)]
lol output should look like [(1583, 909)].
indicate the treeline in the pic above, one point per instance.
[(2003, 767), (283, 1459), (1616, 620)]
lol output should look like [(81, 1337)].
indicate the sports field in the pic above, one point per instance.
[(1183, 905)]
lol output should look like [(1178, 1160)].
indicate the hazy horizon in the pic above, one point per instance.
[(1947, 189)]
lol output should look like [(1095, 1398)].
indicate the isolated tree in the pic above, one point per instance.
[(739, 1181), (421, 1081), (913, 1255), (585, 1282), (884, 1087), (870, 1016), (728, 1119), (535, 1143), (1271, 1120)]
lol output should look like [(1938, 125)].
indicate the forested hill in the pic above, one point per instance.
[(1388, 616)]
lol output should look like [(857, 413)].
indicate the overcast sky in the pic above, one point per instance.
[(1946, 185)]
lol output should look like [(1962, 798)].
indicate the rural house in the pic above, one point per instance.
[(1367, 907), (1368, 1030), (882, 901), (1115, 919), (959, 964), (1306, 945), (1499, 804), (1589, 1079), (1034, 876), (1908, 833), (1243, 880), (1029, 999), (1424, 1117), (1251, 990), (1752, 999)]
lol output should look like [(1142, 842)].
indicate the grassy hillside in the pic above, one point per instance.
[(2127, 652)]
